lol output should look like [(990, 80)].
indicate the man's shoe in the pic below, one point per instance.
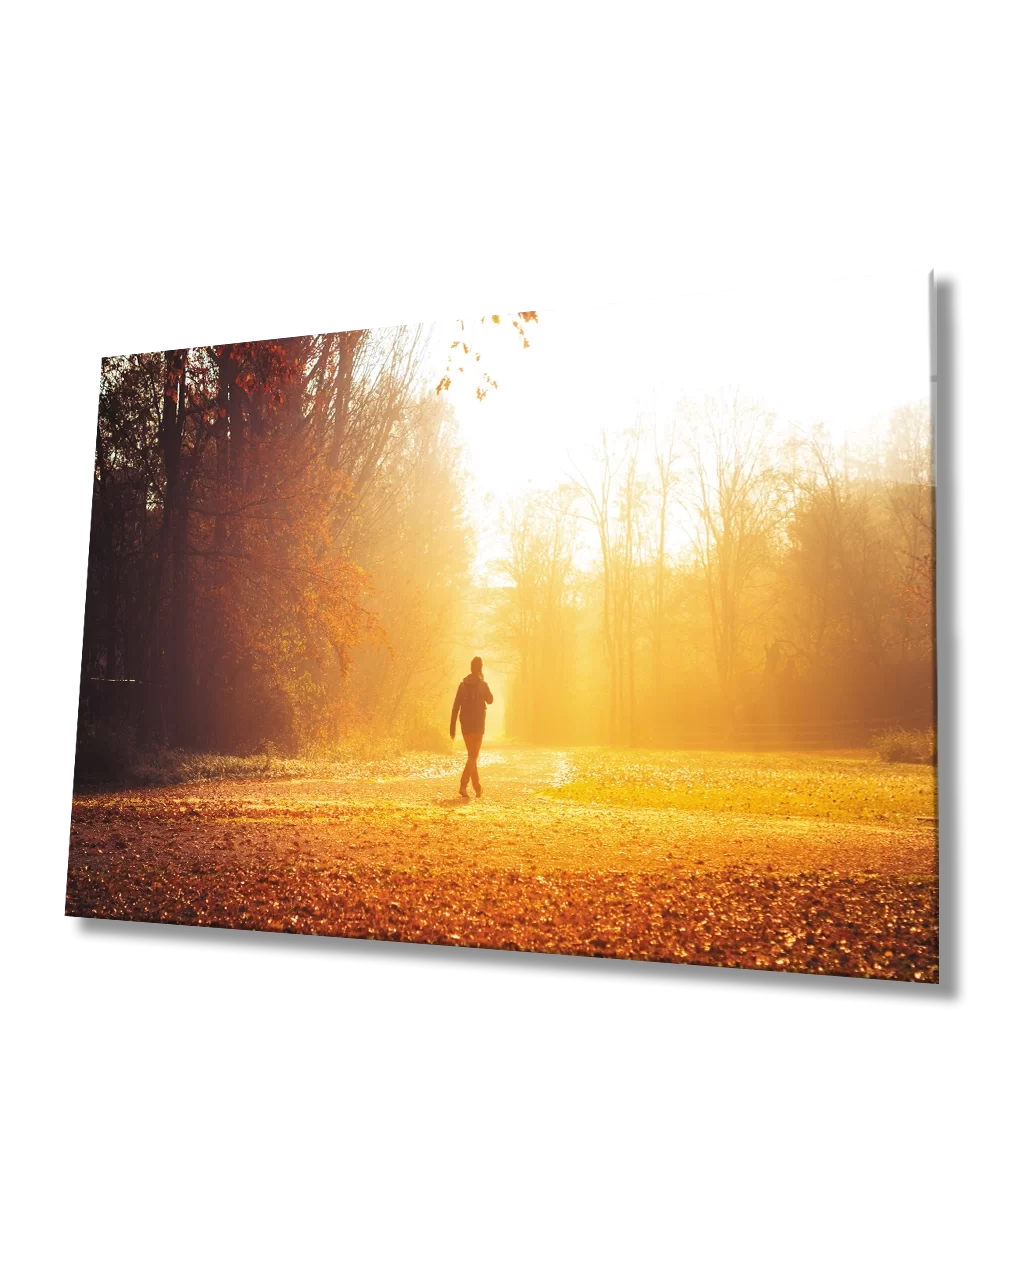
[(479, 792), (464, 794)]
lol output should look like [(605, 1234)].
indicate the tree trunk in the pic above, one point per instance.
[(226, 369), (175, 534), (609, 641), (658, 657), (348, 346), (237, 432)]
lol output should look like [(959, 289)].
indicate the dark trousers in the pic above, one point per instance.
[(473, 742)]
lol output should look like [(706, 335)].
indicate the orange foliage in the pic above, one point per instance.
[(519, 320)]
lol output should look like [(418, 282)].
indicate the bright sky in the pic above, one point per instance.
[(844, 353)]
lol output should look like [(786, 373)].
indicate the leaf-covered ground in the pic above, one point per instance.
[(805, 863)]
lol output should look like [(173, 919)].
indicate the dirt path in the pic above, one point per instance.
[(399, 855)]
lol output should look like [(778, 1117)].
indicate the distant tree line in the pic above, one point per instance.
[(741, 585)]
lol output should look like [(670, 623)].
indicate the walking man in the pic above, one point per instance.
[(472, 698)]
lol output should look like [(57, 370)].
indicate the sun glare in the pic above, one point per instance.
[(841, 357)]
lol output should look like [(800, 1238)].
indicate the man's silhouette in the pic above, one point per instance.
[(471, 701)]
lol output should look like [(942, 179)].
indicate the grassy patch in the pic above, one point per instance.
[(844, 789), (906, 746)]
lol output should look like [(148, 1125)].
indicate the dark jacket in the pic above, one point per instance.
[(471, 700)]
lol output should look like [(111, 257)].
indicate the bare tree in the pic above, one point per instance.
[(597, 497), (666, 465), (735, 496)]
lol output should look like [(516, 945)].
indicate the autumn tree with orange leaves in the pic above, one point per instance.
[(240, 494)]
